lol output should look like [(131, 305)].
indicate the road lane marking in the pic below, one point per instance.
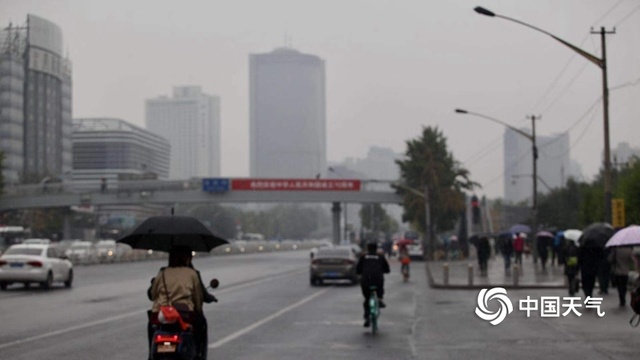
[(69, 329), (259, 323), (230, 288)]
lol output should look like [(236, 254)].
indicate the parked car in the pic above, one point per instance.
[(334, 263), (81, 252), (41, 263)]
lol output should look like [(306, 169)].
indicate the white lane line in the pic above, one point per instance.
[(122, 316), (259, 323), (73, 328)]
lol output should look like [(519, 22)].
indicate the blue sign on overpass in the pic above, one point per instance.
[(216, 185)]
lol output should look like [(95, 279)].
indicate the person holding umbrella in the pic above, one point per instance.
[(180, 285), (591, 256), (621, 260)]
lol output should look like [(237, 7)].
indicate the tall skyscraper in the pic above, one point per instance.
[(554, 167), (287, 114), (191, 122), (35, 102)]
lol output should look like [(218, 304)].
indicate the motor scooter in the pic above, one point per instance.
[(173, 333)]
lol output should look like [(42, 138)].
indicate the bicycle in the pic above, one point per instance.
[(374, 309), (404, 268)]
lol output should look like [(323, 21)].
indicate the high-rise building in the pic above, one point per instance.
[(553, 165), (35, 102), (287, 114), (190, 120)]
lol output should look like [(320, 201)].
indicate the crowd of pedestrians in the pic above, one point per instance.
[(585, 266)]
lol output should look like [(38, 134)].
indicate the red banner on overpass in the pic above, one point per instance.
[(295, 184)]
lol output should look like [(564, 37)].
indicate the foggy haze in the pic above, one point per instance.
[(392, 67)]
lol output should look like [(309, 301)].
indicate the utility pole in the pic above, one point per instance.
[(605, 108), (534, 200)]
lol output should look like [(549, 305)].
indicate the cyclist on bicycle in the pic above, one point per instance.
[(371, 267), (405, 260)]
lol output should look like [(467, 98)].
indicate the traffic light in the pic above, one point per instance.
[(475, 209)]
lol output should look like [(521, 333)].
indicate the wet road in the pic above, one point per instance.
[(268, 310)]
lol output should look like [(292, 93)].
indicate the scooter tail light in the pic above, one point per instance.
[(170, 338)]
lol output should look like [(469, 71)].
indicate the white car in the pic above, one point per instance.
[(106, 250), (82, 252), (415, 250), (41, 263)]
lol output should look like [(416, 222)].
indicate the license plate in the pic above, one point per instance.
[(166, 348), (16, 265), (331, 274)]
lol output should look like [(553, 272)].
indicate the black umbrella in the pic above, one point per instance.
[(596, 235), (162, 232)]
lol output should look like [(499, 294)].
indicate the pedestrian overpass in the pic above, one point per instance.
[(206, 190)]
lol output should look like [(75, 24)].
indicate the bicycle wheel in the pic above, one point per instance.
[(373, 313)]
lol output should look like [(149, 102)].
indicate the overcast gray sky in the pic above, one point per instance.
[(392, 67)]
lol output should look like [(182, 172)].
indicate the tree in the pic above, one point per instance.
[(429, 165), (377, 219)]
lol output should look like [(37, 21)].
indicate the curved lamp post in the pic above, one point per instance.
[(602, 64), (534, 150)]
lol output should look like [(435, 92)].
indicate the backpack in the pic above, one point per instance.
[(635, 305)]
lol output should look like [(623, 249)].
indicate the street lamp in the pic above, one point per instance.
[(602, 64), (534, 149)]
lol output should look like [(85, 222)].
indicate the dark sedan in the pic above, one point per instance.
[(338, 263)]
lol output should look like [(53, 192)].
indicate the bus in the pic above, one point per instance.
[(10, 235)]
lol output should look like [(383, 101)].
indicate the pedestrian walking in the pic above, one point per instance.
[(543, 244), (484, 251), (518, 247), (589, 259), (506, 249), (621, 260), (604, 272), (571, 265)]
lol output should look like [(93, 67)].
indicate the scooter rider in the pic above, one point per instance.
[(372, 267), (180, 285)]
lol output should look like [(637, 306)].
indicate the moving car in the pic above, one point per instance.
[(335, 263), (41, 263), (81, 252), (416, 250), (106, 251)]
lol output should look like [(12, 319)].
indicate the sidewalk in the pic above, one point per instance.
[(531, 275)]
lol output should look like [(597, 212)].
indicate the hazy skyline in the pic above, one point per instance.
[(392, 67)]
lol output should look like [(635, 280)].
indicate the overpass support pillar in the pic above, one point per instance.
[(335, 210), (66, 225)]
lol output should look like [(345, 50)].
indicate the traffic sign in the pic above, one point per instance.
[(617, 218), (296, 184), (216, 185)]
